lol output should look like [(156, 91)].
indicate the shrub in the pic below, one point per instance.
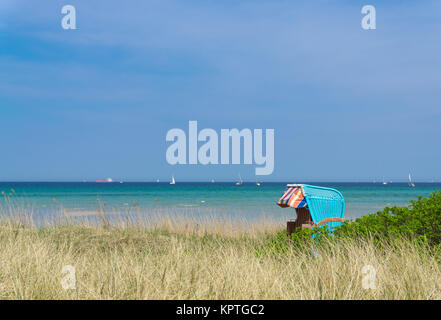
[(421, 220), (418, 222)]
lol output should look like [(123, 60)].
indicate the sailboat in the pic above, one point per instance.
[(173, 180), (411, 184), (240, 182), (384, 182)]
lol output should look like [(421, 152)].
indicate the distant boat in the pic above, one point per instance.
[(411, 184), (258, 184), (240, 182), (108, 180), (384, 182), (173, 180)]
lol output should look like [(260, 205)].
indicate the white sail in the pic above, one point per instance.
[(411, 184), (173, 180), (240, 181)]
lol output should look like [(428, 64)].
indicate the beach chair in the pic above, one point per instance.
[(315, 207)]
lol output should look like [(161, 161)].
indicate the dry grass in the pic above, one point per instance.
[(179, 259)]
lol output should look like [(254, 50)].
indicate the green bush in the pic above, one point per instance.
[(420, 221)]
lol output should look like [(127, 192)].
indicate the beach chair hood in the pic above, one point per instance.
[(323, 203)]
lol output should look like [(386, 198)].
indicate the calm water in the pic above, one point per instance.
[(246, 201)]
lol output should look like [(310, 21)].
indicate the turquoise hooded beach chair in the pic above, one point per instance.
[(315, 206)]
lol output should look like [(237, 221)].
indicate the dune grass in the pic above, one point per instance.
[(180, 259)]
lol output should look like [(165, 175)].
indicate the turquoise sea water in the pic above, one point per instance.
[(246, 201)]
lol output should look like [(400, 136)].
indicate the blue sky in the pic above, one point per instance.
[(346, 104)]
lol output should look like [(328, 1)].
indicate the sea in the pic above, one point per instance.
[(248, 201)]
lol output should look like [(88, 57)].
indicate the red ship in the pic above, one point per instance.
[(108, 180)]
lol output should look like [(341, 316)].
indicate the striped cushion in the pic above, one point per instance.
[(293, 197)]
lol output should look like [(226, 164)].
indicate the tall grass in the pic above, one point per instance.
[(184, 258)]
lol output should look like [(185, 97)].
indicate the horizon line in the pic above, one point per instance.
[(218, 181)]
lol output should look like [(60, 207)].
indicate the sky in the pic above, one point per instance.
[(346, 104)]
